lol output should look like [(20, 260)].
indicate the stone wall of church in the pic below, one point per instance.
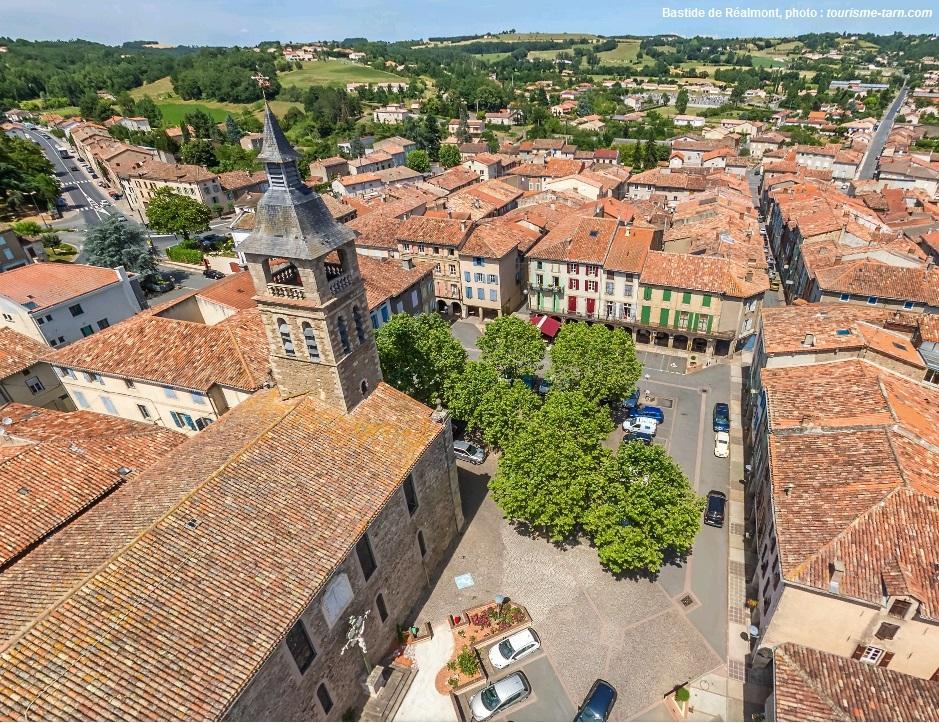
[(279, 691)]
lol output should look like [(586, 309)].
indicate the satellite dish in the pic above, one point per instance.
[(6, 421)]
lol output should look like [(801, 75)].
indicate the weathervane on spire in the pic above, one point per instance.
[(263, 82)]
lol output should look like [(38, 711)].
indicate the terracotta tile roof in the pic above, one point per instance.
[(184, 354), (785, 327), (494, 239), (810, 685), (440, 231), (39, 286), (659, 178), (18, 351), (235, 291), (552, 168), (929, 327), (398, 174), (629, 250), (868, 278), (580, 239), (54, 465), (386, 278), (482, 199), (236, 180), (456, 177), (376, 230), (175, 172), (283, 488), (703, 273), (862, 439)]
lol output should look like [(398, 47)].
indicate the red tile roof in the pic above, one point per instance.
[(810, 685), (54, 465), (439, 231), (17, 351), (39, 286), (184, 354), (711, 274), (282, 489), (494, 239), (577, 239), (387, 278)]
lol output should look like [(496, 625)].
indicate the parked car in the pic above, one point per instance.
[(500, 695), (721, 417), (638, 437), (649, 412), (157, 283), (94, 175), (120, 219), (102, 184), (213, 274), (722, 445), (105, 202), (714, 513), (468, 452), (774, 283), (599, 702), (514, 648), (642, 425)]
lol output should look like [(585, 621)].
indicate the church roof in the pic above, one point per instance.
[(275, 147), (293, 221)]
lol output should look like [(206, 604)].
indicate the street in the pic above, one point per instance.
[(876, 147)]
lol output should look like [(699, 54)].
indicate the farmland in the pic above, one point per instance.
[(334, 72)]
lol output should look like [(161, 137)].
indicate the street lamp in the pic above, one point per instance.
[(32, 196)]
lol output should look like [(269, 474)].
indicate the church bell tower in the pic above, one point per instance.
[(309, 291)]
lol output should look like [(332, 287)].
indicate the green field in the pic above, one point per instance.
[(625, 52), (491, 57), (761, 61), (174, 108), (334, 72)]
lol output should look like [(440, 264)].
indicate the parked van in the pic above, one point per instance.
[(641, 425)]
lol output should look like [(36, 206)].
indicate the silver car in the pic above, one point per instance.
[(499, 696), (468, 452)]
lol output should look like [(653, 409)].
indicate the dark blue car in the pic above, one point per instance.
[(649, 413), (598, 703), (721, 417)]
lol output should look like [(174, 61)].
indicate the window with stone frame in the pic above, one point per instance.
[(322, 695), (363, 550), (285, 339), (300, 646), (343, 335), (309, 338), (900, 608), (359, 327)]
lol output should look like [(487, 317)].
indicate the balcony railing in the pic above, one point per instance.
[(340, 283), (632, 321), (547, 288), (286, 291)]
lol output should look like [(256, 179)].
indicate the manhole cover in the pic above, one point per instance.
[(667, 403), (687, 601)]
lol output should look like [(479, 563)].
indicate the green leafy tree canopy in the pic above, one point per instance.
[(170, 212), (641, 508), (419, 161), (449, 155), (511, 346), (418, 355), (598, 362), (113, 244)]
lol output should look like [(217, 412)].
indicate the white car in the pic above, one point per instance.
[(499, 696), (513, 648), (722, 445), (641, 425)]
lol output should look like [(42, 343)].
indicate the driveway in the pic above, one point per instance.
[(635, 633)]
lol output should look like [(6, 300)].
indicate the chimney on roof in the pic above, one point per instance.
[(836, 570), (121, 273), (462, 224), (788, 488), (407, 263), (809, 340)]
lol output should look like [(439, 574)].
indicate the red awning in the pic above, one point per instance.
[(545, 324)]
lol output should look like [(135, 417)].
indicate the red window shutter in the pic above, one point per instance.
[(885, 661), (858, 652)]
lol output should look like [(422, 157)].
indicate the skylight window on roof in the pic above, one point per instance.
[(898, 345), (843, 332)]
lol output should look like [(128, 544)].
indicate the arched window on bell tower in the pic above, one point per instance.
[(285, 338), (312, 349), (359, 329), (343, 334)]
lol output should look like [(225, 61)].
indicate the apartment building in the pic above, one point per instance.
[(59, 303), (396, 286), (24, 377), (675, 186), (180, 366), (141, 182), (438, 240), (843, 475), (492, 262), (18, 251)]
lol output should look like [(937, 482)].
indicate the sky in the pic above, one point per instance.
[(247, 22)]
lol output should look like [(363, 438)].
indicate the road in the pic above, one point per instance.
[(869, 166)]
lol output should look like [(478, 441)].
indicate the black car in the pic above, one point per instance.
[(157, 283), (598, 703), (213, 274), (714, 514), (638, 437), (721, 417)]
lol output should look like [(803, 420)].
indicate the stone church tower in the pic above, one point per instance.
[(310, 294)]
